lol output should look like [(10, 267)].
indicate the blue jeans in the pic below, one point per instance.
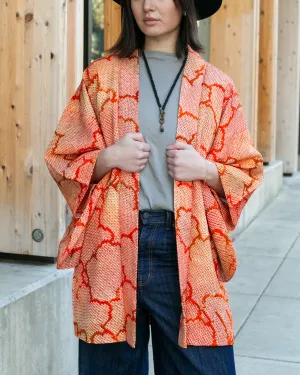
[(158, 307)]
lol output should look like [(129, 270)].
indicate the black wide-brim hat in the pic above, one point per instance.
[(204, 8)]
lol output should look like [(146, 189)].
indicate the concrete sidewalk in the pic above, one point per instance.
[(265, 291)]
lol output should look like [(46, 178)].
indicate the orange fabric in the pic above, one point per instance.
[(101, 242)]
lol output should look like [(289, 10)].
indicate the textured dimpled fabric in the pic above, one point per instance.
[(101, 242)]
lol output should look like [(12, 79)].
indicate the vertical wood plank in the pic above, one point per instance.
[(15, 163), (268, 79), (234, 49), (287, 133), (22, 183), (48, 82), (75, 41), (112, 23), (33, 74)]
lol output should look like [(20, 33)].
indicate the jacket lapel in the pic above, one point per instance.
[(129, 94), (190, 97), (187, 132)]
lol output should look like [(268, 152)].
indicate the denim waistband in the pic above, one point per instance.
[(161, 217)]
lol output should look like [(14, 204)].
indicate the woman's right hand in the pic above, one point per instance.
[(130, 153)]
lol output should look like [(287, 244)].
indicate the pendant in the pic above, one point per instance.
[(161, 119)]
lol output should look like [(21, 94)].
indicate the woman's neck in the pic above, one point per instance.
[(160, 47), (163, 43)]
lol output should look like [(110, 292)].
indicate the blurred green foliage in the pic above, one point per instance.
[(98, 29)]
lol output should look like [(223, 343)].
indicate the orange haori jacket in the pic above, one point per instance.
[(101, 242)]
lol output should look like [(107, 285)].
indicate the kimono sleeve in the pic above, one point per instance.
[(73, 150), (239, 164)]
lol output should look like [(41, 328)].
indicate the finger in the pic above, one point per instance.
[(170, 160), (146, 147), (171, 174), (143, 155), (170, 153), (175, 144), (171, 168), (181, 145), (172, 147), (137, 137), (143, 160)]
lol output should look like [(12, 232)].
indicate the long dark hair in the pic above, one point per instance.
[(132, 37)]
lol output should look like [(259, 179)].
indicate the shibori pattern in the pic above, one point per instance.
[(101, 242)]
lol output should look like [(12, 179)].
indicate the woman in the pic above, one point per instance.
[(155, 160)]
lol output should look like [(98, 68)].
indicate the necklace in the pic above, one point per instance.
[(162, 107)]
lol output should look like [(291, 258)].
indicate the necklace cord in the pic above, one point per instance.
[(153, 84)]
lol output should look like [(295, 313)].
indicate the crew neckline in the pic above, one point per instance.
[(162, 55)]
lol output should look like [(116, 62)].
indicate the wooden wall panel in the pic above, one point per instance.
[(33, 73), (288, 85), (75, 45), (15, 161), (268, 54), (234, 49), (112, 23)]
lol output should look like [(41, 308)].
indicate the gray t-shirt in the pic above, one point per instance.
[(156, 185)]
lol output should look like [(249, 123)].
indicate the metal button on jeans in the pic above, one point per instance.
[(146, 214)]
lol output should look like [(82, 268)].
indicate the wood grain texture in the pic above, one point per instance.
[(268, 55), (33, 55), (234, 49), (112, 23), (15, 152), (287, 132), (75, 44)]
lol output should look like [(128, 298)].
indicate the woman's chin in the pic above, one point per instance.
[(153, 33)]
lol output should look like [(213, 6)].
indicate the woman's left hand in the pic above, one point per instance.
[(185, 163)]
